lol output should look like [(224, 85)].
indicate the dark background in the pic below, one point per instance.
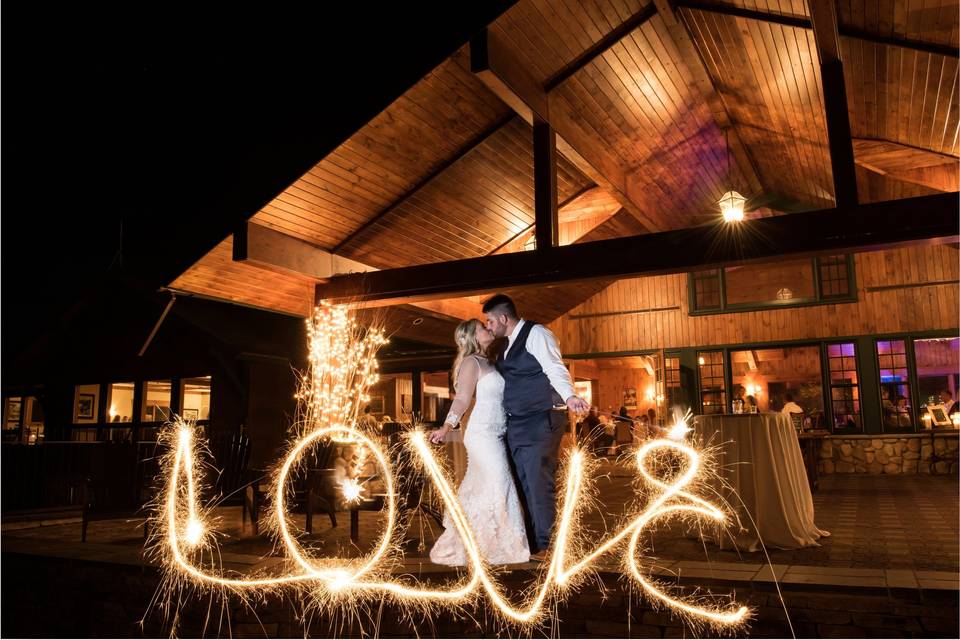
[(174, 127)]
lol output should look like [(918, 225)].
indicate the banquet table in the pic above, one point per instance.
[(761, 475)]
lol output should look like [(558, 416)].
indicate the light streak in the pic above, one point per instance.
[(346, 577), (341, 373)]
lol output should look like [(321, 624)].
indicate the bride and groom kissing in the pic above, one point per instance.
[(512, 437)]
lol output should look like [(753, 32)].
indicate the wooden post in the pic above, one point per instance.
[(546, 230), (823, 16)]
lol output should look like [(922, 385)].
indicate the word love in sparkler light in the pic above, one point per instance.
[(327, 582)]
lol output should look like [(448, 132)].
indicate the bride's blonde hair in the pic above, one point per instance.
[(467, 344)]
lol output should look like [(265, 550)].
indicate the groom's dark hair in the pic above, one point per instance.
[(501, 303)]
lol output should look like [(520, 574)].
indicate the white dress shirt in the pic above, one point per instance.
[(542, 345)]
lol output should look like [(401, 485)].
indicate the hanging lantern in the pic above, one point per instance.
[(731, 206)]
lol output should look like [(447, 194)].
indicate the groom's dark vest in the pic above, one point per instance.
[(527, 388)]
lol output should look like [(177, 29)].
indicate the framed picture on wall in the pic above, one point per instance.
[(85, 402), (376, 405), (630, 398), (190, 414)]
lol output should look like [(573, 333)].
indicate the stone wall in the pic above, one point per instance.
[(889, 453)]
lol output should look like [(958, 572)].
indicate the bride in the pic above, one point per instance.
[(487, 494)]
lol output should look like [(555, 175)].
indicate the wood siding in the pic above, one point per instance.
[(905, 308)]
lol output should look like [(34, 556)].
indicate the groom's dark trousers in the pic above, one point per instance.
[(534, 430), (533, 442)]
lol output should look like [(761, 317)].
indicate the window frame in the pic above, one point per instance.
[(829, 386), (818, 298), (911, 382), (725, 400)]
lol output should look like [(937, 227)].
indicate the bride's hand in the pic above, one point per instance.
[(437, 436)]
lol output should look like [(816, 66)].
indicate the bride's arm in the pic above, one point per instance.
[(467, 376)]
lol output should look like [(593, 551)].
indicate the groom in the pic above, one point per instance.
[(537, 393)]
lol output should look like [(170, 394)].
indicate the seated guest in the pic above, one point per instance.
[(588, 426), (889, 409), (750, 406), (789, 406), (641, 428), (946, 399), (903, 412), (606, 438)]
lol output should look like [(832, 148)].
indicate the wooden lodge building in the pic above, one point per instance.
[(573, 155)]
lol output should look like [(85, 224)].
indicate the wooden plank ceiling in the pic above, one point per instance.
[(637, 98), (446, 171)]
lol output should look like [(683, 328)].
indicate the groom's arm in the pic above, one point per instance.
[(542, 345)]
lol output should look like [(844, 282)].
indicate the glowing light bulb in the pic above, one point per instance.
[(731, 206)]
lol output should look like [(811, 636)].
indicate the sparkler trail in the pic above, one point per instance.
[(342, 370)]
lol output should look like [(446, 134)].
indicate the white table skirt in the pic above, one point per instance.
[(759, 460)]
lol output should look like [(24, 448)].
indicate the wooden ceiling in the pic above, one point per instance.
[(446, 171)]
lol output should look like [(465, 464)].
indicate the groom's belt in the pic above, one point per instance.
[(558, 407)]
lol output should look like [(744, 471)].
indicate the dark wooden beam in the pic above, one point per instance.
[(847, 31), (462, 153), (823, 15), (601, 46), (740, 12), (857, 228), (266, 248), (492, 62), (547, 227)]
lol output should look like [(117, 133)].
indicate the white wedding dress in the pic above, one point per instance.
[(487, 494)]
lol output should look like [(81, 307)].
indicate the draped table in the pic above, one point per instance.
[(762, 477)]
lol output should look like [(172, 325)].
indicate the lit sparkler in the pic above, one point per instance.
[(352, 490), (342, 368)]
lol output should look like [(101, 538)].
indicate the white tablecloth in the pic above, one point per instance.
[(760, 461)]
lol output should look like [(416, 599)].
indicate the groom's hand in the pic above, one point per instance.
[(578, 404)]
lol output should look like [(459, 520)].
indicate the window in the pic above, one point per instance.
[(12, 414), (938, 368), (120, 402), (706, 286), (894, 385), (786, 282), (436, 396), (774, 376), (156, 401), (195, 404), (844, 386), (713, 395), (834, 277), (673, 388)]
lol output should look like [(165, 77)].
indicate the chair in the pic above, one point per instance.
[(623, 436), (112, 490), (231, 454), (320, 486), (796, 417)]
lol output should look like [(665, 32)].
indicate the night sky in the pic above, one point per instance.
[(176, 127)]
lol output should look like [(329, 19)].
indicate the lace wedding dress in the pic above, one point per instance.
[(487, 494)]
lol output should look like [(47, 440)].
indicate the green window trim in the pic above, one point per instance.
[(828, 265)]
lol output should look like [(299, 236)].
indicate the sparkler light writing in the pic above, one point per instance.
[(341, 582)]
